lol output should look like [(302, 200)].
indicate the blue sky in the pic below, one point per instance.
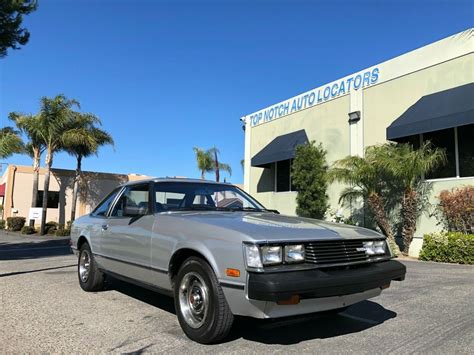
[(165, 76)]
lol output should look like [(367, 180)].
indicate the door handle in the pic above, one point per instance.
[(104, 227)]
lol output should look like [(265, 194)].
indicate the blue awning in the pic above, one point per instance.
[(281, 148), (445, 109)]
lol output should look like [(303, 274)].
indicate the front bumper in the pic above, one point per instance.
[(320, 283)]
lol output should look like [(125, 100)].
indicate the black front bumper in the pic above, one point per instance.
[(317, 283)]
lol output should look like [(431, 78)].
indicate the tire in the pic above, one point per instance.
[(90, 277), (201, 307)]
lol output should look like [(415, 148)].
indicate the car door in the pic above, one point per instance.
[(126, 236)]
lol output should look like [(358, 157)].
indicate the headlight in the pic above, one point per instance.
[(271, 255), (252, 256), (294, 253), (378, 247)]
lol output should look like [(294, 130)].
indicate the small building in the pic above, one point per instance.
[(16, 190), (425, 94)]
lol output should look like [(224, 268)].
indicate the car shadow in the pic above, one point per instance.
[(283, 331), (34, 250)]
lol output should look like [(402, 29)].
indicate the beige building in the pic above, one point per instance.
[(427, 93), (16, 191)]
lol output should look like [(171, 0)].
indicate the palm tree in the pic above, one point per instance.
[(29, 124), (205, 161), (368, 180), (56, 118), (82, 141), (218, 166), (409, 166), (10, 142)]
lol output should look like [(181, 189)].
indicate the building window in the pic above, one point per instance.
[(445, 140), (53, 199), (283, 176), (465, 135)]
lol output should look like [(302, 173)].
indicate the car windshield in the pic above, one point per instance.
[(173, 196)]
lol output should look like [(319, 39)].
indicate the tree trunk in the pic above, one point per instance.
[(76, 188), (376, 205), (203, 175), (34, 197), (47, 176), (409, 214)]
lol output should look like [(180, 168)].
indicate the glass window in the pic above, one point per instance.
[(103, 207), (443, 139), (466, 150), (132, 202), (53, 199), (171, 196), (283, 175)]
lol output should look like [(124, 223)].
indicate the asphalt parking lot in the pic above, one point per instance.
[(43, 309)]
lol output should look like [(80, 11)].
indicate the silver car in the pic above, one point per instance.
[(220, 253)]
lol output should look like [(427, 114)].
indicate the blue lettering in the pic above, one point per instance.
[(293, 106), (327, 92), (286, 107), (349, 81), (375, 76), (342, 89), (311, 98), (334, 89), (357, 85), (319, 96), (366, 81)]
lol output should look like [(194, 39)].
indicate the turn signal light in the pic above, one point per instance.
[(295, 299), (232, 272)]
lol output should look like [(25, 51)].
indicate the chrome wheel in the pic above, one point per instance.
[(84, 265), (193, 299)]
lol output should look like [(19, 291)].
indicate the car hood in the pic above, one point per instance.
[(267, 226)]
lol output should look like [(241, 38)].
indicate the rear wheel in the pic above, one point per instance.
[(201, 307), (90, 277)]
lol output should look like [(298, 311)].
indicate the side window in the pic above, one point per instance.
[(133, 202), (103, 207)]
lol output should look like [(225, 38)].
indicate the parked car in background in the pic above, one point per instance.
[(220, 253)]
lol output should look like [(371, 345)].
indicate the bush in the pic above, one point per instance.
[(2, 224), (450, 247), (309, 175), (28, 230), (15, 223), (61, 232), (51, 227), (456, 209)]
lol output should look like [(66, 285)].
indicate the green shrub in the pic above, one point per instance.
[(15, 223), (2, 224), (61, 232), (51, 227), (450, 247), (28, 230)]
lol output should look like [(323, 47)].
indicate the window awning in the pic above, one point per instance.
[(281, 148), (2, 190), (445, 109)]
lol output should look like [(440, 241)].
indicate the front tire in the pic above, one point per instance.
[(201, 307), (90, 277)]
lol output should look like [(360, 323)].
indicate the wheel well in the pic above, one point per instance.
[(178, 259), (81, 241)]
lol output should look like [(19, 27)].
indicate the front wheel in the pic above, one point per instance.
[(201, 307)]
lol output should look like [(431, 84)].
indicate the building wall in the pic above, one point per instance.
[(93, 188), (327, 123)]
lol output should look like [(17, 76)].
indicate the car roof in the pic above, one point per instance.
[(174, 179)]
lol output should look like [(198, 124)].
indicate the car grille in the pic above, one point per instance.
[(325, 252)]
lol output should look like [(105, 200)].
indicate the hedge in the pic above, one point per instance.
[(28, 230), (449, 247), (2, 224), (15, 223)]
